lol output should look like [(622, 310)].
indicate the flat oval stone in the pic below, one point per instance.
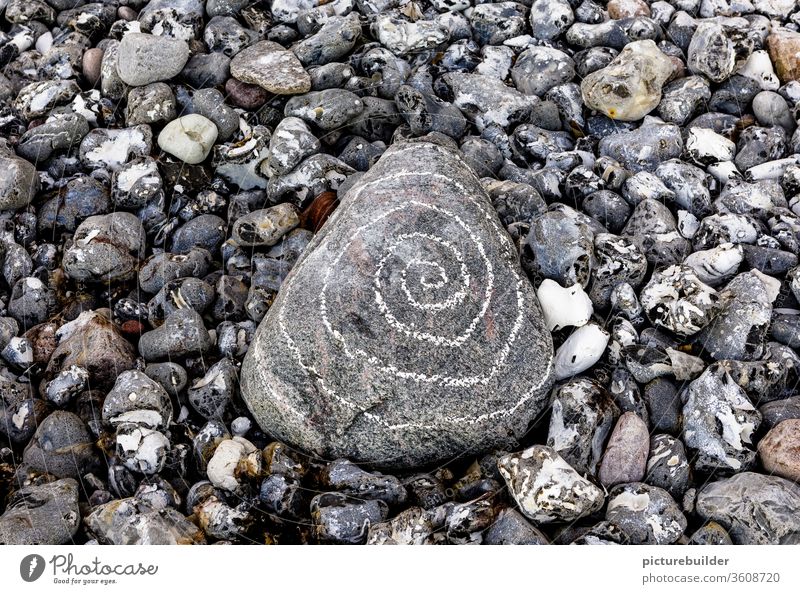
[(625, 460), (406, 334), (143, 59)]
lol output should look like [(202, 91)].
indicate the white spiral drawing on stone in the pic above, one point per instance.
[(422, 286)]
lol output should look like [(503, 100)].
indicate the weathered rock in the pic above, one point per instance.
[(780, 450), (546, 488), (784, 46), (45, 514), (625, 457), (143, 59), (62, 447), (583, 416), (753, 508), (272, 67), (630, 87), (678, 301), (648, 515), (719, 422), (132, 521), (383, 381)]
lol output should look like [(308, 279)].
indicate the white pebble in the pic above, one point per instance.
[(581, 350), (563, 307), (189, 138), (232, 458)]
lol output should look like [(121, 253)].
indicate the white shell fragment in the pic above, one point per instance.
[(581, 350), (563, 307)]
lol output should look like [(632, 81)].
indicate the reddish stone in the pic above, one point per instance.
[(245, 95), (316, 213), (132, 328)]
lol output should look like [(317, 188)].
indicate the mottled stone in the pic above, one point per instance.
[(719, 422), (625, 457), (753, 508), (648, 515), (546, 488), (143, 59), (779, 450), (44, 514), (784, 48), (273, 68), (583, 415), (131, 521), (630, 87)]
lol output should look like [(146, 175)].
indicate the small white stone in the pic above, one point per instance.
[(189, 138), (233, 457), (687, 224), (706, 146), (724, 172), (240, 426), (716, 265), (563, 307), (580, 351), (758, 67)]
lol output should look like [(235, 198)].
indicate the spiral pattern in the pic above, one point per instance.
[(415, 294)]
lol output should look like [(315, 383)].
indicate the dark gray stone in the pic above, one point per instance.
[(333, 372), (45, 514)]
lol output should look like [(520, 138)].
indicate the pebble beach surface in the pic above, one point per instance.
[(399, 272)]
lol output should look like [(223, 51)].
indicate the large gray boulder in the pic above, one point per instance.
[(406, 334)]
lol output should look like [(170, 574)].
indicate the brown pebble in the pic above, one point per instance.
[(625, 458), (43, 340), (132, 328), (784, 51), (623, 9), (245, 95), (92, 58), (780, 450), (316, 213)]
